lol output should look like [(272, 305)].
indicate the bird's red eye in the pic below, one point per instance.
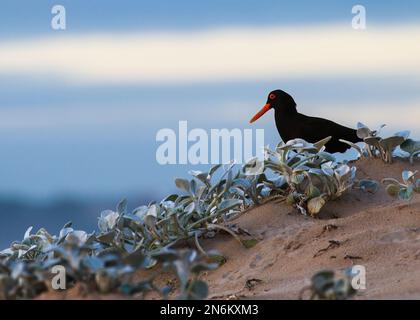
[(272, 96)]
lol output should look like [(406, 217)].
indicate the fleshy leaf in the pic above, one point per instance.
[(367, 185), (406, 193), (392, 189), (410, 146), (199, 289), (407, 175), (182, 184), (315, 205)]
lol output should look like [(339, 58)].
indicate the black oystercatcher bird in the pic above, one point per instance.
[(292, 124)]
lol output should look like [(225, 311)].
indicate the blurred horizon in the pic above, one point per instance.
[(80, 108)]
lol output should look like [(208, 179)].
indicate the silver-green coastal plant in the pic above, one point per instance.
[(383, 148), (308, 176), (26, 267), (147, 230), (301, 173), (206, 202), (404, 190), (144, 233)]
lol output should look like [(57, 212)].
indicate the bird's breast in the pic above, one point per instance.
[(287, 127)]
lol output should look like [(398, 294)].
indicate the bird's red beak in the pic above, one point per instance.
[(260, 113)]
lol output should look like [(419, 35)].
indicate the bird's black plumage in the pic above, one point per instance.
[(292, 124)]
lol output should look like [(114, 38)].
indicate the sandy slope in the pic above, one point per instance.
[(373, 230)]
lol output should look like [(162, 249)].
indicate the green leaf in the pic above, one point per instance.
[(363, 131), (68, 225), (190, 208), (122, 207), (417, 185), (200, 267), (315, 205), (291, 199), (413, 155), (264, 191), (249, 243), (367, 185), (228, 204), (182, 272), (407, 175), (201, 191), (389, 144), (93, 263), (243, 183), (165, 291), (193, 186), (28, 232), (216, 258), (151, 216), (406, 193), (318, 145), (327, 170), (373, 141), (312, 191), (182, 184), (237, 191), (214, 169), (202, 176), (199, 289), (171, 197), (106, 237), (342, 172), (353, 145), (137, 259), (297, 178), (390, 180), (166, 255), (229, 180), (322, 281), (392, 189), (326, 156), (279, 182), (410, 146)]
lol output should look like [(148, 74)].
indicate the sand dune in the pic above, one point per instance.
[(373, 230)]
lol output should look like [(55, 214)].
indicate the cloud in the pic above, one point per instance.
[(217, 55)]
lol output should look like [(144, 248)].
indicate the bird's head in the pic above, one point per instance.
[(277, 100)]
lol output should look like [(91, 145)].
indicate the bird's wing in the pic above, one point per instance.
[(319, 128)]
